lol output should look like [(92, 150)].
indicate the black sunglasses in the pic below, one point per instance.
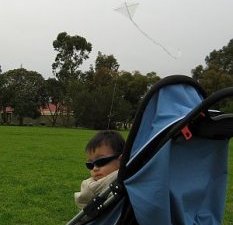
[(100, 162)]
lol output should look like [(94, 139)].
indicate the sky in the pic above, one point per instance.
[(188, 29)]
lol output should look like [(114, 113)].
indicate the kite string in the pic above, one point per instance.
[(145, 34)]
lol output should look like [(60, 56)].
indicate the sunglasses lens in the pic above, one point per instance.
[(89, 165), (100, 162)]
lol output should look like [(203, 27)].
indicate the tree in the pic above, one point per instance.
[(133, 87), (94, 108), (197, 72), (54, 95), (120, 116), (108, 62), (72, 50), (27, 92), (218, 72), (97, 88), (213, 80), (5, 95), (152, 78), (218, 62), (222, 59), (106, 97)]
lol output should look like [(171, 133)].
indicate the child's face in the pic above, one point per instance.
[(102, 171)]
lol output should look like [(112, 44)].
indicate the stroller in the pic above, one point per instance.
[(174, 166)]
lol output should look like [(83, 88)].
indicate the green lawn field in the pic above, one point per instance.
[(41, 168)]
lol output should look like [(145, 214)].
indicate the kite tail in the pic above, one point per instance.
[(146, 35), (151, 39)]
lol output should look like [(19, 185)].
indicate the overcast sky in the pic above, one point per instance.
[(192, 27)]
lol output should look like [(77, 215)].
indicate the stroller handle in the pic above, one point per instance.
[(204, 106), (217, 96), (211, 100)]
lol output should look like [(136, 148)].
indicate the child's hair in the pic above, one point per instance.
[(109, 138)]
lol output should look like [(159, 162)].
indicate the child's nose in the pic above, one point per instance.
[(95, 168)]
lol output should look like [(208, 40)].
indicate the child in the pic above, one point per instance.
[(104, 153)]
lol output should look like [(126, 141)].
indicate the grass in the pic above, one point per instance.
[(228, 219), (40, 170)]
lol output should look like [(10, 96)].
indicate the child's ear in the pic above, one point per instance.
[(120, 157)]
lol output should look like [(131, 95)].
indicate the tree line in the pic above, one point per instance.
[(217, 73), (101, 97)]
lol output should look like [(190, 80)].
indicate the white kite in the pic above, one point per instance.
[(128, 10)]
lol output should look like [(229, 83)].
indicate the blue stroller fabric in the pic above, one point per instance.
[(165, 108), (184, 183), (170, 178), (185, 176)]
